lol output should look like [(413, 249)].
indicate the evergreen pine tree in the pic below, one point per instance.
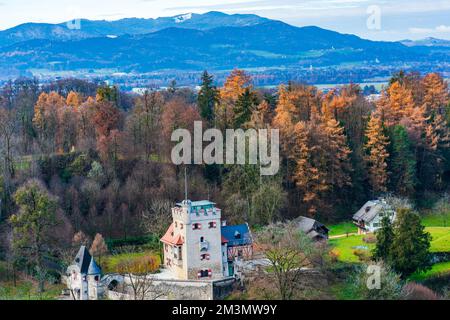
[(402, 162), (385, 238), (207, 97), (244, 108), (411, 245)]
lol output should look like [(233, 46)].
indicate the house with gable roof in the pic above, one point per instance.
[(368, 219)]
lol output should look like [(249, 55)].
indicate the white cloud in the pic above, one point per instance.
[(438, 29)]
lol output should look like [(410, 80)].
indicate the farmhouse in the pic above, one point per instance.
[(368, 219), (199, 246), (313, 229)]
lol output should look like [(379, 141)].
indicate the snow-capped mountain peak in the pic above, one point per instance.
[(183, 17)]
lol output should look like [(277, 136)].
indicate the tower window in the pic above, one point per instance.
[(212, 225), (205, 257), (196, 226)]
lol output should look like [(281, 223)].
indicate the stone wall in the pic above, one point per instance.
[(183, 290)]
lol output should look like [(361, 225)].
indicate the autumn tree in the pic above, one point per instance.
[(433, 161), (436, 96), (322, 161), (377, 155), (74, 100), (395, 103), (46, 120), (86, 136), (261, 117), (98, 247), (234, 87), (108, 94), (80, 239)]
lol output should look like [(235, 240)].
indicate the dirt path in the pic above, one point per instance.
[(343, 236)]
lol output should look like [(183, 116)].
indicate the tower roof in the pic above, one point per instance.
[(93, 268), (83, 259), (171, 238)]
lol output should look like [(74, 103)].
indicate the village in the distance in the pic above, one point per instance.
[(93, 205)]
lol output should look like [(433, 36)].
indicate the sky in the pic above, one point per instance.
[(372, 19)]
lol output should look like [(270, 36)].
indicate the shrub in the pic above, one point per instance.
[(362, 255), (334, 255), (415, 291), (370, 238)]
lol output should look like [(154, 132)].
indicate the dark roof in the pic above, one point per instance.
[(83, 259), (237, 235), (370, 210), (312, 228), (307, 224), (93, 268)]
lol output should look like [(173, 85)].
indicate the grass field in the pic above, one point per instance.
[(342, 228), (27, 290), (438, 269), (347, 245), (344, 247), (109, 264), (436, 220)]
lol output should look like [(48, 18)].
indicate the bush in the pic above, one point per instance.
[(370, 239), (149, 242), (362, 255), (415, 291), (334, 255)]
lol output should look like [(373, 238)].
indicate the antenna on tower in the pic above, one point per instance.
[(185, 184)]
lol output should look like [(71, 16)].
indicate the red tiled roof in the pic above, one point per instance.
[(172, 239), (224, 240)]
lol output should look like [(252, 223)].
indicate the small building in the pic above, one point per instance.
[(313, 229), (198, 247), (84, 277), (239, 244), (368, 219)]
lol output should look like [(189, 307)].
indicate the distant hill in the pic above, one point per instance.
[(213, 41), (132, 26), (427, 42)]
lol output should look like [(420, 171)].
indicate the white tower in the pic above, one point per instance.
[(193, 243)]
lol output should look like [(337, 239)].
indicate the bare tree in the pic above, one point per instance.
[(288, 252), (139, 278)]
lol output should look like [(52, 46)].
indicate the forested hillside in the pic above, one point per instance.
[(104, 155)]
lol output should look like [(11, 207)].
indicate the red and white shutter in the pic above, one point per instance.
[(210, 273)]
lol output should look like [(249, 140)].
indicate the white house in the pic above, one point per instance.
[(84, 277), (198, 246), (368, 219)]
